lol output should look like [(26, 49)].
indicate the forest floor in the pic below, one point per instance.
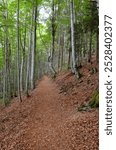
[(49, 119)]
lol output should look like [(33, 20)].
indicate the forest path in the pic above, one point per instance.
[(45, 121), (47, 116)]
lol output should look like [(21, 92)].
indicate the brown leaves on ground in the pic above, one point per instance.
[(49, 119)]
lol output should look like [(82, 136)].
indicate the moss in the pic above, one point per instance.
[(94, 102), (93, 70)]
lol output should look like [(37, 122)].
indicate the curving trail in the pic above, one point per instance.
[(47, 117), (45, 123)]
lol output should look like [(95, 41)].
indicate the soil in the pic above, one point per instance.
[(49, 119)]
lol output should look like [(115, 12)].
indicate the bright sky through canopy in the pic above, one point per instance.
[(44, 14)]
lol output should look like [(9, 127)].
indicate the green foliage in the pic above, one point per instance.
[(94, 102), (86, 19), (90, 17)]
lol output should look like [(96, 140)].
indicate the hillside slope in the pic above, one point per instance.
[(49, 119)]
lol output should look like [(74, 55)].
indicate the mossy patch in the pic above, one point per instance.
[(93, 70), (94, 102)]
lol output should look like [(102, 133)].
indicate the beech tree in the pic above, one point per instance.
[(6, 84), (74, 62), (18, 54)]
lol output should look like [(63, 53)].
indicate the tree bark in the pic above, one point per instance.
[(90, 47), (18, 54), (33, 59), (28, 63), (6, 81), (74, 62), (97, 46), (62, 50), (59, 53), (53, 40)]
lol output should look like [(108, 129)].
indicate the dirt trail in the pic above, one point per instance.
[(49, 124), (46, 117)]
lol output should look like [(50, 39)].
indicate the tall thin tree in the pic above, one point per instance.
[(33, 60), (74, 62), (18, 54)]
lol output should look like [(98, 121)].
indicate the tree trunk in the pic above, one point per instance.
[(6, 81), (18, 54), (85, 45), (59, 53), (69, 58), (28, 63), (33, 61), (23, 63), (65, 47), (90, 47), (53, 40), (97, 46), (62, 50), (74, 63)]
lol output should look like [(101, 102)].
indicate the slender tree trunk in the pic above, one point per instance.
[(18, 54), (35, 44), (21, 75), (74, 63), (6, 82), (97, 46), (69, 53), (53, 40), (65, 48), (69, 58), (23, 63), (85, 45), (21, 70), (62, 50), (90, 48), (33, 62), (59, 53), (28, 63), (24, 58), (5, 85), (9, 71)]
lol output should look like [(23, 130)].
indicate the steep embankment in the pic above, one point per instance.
[(49, 119)]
